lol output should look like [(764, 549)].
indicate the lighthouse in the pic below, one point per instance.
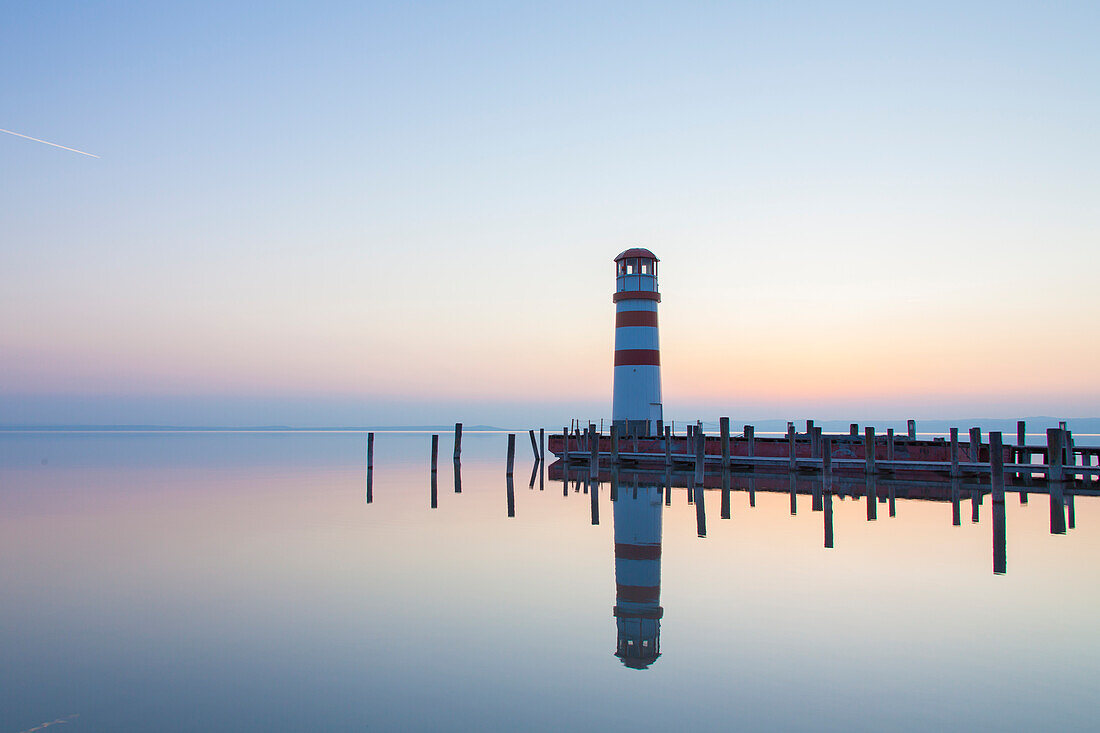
[(636, 407), (638, 575)]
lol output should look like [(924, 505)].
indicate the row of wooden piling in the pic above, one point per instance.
[(1060, 452)]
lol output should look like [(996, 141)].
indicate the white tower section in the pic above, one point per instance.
[(636, 407), (638, 609)]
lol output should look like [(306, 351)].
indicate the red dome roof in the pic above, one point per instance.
[(636, 252)]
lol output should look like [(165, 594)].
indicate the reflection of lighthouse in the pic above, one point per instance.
[(638, 575), (636, 407)]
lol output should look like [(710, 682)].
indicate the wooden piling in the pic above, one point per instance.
[(911, 426), (542, 446), (853, 430), (534, 444), (792, 447), (954, 451), (889, 444), (809, 427), (594, 460), (827, 461), (815, 443), (996, 468), (458, 441), (370, 451), (614, 443), (1022, 456), (724, 427), (511, 452), (668, 447), (975, 444), (869, 449), (435, 453), (565, 452), (1055, 445), (750, 440), (700, 455)]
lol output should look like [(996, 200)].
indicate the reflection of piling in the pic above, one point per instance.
[(594, 497), (511, 452), (956, 508), (871, 498), (828, 519), (458, 441), (458, 476), (370, 485), (511, 495), (700, 512), (794, 490), (1000, 554), (434, 490), (726, 493)]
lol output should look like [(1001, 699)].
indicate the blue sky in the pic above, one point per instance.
[(412, 208)]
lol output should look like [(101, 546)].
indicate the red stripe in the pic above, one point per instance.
[(637, 552), (638, 593), (636, 295), (636, 318), (637, 357)]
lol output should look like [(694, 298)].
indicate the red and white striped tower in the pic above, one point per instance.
[(636, 407), (638, 575)]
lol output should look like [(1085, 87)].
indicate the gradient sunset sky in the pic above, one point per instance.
[(365, 213)]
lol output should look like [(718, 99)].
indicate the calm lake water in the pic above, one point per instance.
[(240, 581)]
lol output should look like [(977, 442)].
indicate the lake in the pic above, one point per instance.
[(241, 581)]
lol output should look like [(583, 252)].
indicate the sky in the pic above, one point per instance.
[(372, 213)]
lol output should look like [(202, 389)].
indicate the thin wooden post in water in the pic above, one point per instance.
[(827, 461), (724, 426), (792, 446), (750, 440), (1055, 443), (815, 444), (511, 452), (975, 444), (458, 441), (534, 444), (1021, 442), (954, 451), (565, 450), (542, 445), (435, 452), (889, 444), (594, 461), (996, 468), (668, 446), (853, 430), (700, 455), (911, 425), (869, 449), (614, 443), (370, 451), (809, 427)]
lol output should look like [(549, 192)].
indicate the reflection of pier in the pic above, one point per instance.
[(822, 487)]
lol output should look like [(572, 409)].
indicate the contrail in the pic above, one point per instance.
[(48, 143)]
